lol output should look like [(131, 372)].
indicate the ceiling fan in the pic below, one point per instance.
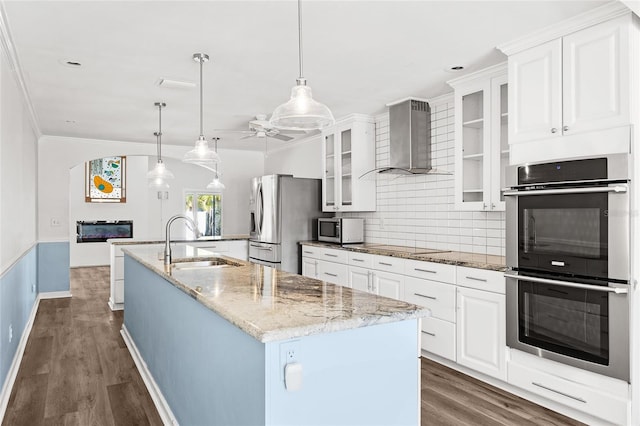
[(261, 128)]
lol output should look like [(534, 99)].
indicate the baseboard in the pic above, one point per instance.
[(156, 395), (115, 306), (7, 387), (54, 295)]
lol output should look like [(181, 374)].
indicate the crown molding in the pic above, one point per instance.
[(591, 17), (442, 99), (6, 43), (488, 72)]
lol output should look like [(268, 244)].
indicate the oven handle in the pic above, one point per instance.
[(616, 290), (618, 189)]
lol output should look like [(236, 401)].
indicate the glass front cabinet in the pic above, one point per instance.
[(481, 144), (349, 152)]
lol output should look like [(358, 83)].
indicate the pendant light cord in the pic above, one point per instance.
[(160, 133), (201, 129), (300, 38)]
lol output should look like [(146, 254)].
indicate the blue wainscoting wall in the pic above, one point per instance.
[(18, 294), (53, 266)]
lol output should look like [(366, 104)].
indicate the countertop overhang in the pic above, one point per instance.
[(133, 241), (273, 305)]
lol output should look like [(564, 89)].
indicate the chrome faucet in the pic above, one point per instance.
[(167, 243)]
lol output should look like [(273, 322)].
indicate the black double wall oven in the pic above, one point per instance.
[(567, 249)]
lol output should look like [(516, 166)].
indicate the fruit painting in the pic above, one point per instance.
[(105, 180)]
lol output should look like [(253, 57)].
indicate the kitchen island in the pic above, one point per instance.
[(244, 344)]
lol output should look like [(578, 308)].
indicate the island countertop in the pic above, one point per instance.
[(274, 305), (133, 241)]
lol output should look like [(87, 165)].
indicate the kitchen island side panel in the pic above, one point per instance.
[(209, 371), (363, 376)]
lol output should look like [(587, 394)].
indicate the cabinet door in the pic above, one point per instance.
[(535, 93), (329, 193), (596, 77), (359, 279), (309, 267), (387, 284), (345, 167), (472, 139), (499, 142), (481, 334)]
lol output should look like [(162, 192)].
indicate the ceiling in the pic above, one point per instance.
[(358, 56)]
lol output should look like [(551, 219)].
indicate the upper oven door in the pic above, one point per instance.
[(574, 231)]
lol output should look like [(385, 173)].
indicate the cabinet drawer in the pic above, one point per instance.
[(311, 251), (430, 271), (481, 279), (569, 393), (362, 260), (438, 297), (334, 273), (322, 253), (388, 263), (439, 337)]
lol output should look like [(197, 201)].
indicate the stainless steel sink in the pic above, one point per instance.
[(200, 264)]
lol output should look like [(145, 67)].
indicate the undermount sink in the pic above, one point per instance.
[(200, 264)]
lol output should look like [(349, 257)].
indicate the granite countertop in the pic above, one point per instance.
[(131, 241), (471, 260), (273, 305)]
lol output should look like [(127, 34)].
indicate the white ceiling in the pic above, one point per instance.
[(358, 56)]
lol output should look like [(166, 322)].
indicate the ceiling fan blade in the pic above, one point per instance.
[(248, 136), (281, 137)]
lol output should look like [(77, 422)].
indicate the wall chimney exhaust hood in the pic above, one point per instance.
[(409, 138)]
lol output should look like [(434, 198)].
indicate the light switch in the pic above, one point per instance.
[(293, 376)]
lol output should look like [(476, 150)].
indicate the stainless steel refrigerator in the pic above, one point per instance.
[(283, 211)]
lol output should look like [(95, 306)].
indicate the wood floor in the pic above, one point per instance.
[(76, 370)]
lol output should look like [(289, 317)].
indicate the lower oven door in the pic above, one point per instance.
[(576, 323)]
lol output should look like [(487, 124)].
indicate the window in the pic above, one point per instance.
[(205, 208)]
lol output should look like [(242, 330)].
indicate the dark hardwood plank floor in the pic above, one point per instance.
[(76, 370)]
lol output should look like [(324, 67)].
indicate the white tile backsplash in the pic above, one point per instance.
[(418, 211)]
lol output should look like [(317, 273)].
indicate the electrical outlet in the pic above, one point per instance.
[(381, 223), (33, 288), (55, 221), (10, 332), (289, 353)]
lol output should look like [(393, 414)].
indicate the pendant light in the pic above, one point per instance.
[(301, 112), (159, 174), (216, 184), (201, 155)]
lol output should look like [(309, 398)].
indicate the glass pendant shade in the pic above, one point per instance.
[(216, 184), (160, 171), (302, 112), (202, 155)]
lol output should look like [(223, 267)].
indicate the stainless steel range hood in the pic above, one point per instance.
[(409, 138)]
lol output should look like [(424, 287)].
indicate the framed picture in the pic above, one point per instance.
[(105, 180)]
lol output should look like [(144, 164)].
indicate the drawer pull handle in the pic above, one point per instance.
[(358, 260), (477, 279), (430, 334), (308, 252), (425, 270), (385, 264), (424, 295), (331, 255), (330, 274), (577, 398)]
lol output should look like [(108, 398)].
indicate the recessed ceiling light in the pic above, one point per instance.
[(70, 121), (454, 68), (176, 84)]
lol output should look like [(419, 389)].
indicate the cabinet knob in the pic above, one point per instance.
[(493, 206), (484, 206), (565, 128), (554, 130)]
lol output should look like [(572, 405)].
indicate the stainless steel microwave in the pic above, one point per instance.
[(341, 230)]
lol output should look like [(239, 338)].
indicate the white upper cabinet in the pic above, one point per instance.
[(481, 147), (574, 84), (349, 151)]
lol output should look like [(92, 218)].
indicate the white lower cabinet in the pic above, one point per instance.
[(596, 399), (387, 284), (481, 331), (309, 267), (439, 337), (360, 278), (334, 273)]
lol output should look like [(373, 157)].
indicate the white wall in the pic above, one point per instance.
[(63, 154), (301, 159), (89, 254), (18, 169)]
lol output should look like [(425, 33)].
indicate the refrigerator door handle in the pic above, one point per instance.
[(260, 208)]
